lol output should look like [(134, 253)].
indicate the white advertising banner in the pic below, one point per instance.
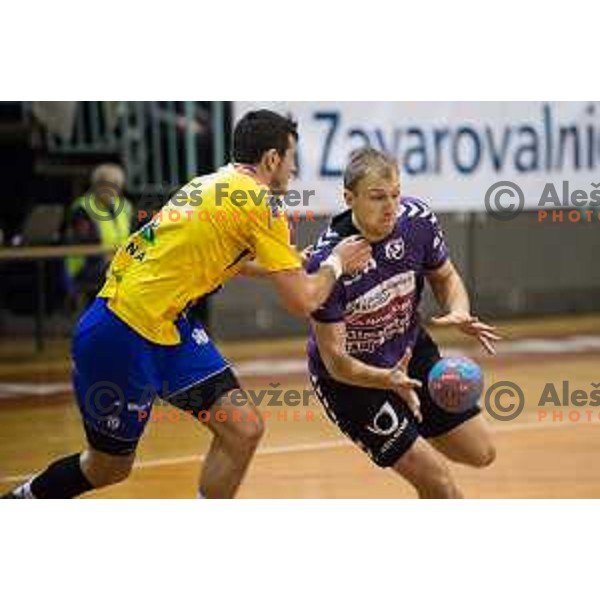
[(452, 153)]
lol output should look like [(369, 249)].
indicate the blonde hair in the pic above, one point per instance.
[(364, 161)]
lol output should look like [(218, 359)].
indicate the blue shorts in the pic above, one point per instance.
[(117, 374)]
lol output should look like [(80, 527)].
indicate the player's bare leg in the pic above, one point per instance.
[(470, 443), (102, 469), (426, 471), (237, 431)]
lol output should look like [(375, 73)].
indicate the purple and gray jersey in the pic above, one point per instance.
[(379, 306)]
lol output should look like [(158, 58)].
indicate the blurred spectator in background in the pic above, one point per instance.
[(101, 216)]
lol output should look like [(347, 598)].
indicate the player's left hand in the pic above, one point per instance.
[(471, 325)]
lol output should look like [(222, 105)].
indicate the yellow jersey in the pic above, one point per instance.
[(199, 239)]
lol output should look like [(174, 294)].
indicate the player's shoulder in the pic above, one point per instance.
[(339, 227), (414, 208)]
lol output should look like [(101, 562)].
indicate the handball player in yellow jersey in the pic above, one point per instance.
[(135, 343)]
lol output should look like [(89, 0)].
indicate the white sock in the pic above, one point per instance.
[(24, 491)]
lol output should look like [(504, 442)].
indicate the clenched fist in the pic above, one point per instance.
[(354, 253)]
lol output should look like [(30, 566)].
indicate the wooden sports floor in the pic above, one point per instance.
[(305, 456)]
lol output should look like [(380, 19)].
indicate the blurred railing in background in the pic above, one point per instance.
[(160, 143)]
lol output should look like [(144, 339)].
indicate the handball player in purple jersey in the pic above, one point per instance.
[(369, 354)]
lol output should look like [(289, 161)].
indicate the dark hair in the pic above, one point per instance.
[(366, 160), (259, 131)]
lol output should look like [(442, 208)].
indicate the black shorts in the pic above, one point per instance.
[(379, 421), (196, 399)]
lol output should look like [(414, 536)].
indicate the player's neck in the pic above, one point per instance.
[(254, 171)]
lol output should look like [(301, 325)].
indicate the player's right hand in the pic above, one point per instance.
[(306, 254), (355, 253), (404, 386)]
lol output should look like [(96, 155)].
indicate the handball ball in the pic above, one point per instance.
[(455, 384)]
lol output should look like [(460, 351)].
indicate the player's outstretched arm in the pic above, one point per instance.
[(331, 340), (302, 294), (452, 296), (253, 269)]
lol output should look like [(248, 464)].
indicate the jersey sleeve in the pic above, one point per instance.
[(436, 249), (332, 311), (270, 238)]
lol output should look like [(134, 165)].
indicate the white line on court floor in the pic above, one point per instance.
[(311, 447)]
